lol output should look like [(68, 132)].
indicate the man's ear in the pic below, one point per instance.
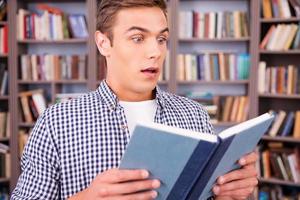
[(103, 43)]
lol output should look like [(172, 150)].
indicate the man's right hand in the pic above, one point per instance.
[(117, 184)]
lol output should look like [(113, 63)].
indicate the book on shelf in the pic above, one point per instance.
[(278, 79), (3, 10), (4, 39), (213, 66), (276, 193), (213, 25), (281, 37), (22, 140), (5, 161), (53, 67), (197, 159), (50, 23), (3, 79), (286, 124), (280, 8), (4, 124), (223, 108), (33, 104), (281, 163)]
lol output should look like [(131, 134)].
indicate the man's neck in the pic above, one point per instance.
[(130, 96)]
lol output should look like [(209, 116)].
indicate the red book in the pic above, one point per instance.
[(5, 37)]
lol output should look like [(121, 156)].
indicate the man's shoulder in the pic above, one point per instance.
[(81, 103)]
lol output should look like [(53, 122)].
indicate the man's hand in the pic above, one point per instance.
[(238, 184), (116, 184)]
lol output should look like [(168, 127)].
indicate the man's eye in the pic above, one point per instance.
[(137, 39), (162, 40)]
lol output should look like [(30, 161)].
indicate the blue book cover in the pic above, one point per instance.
[(287, 129), (186, 162)]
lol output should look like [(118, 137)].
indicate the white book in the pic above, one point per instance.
[(286, 12), (207, 76), (201, 25), (220, 24), (294, 168), (274, 38), (212, 25), (261, 77), (286, 31)]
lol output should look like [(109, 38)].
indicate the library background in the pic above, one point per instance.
[(238, 58)]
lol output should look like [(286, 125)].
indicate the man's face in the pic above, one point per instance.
[(139, 47)]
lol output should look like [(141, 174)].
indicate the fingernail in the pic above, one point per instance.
[(156, 184), (145, 174), (216, 190), (153, 194), (221, 180), (242, 161)]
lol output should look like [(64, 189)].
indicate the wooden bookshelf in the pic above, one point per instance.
[(280, 20), (5, 139), (267, 101), (54, 42), (4, 180), (245, 39), (3, 55), (215, 82), (274, 181), (282, 139), (3, 23), (4, 97)]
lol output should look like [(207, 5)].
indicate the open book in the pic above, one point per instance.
[(186, 162)]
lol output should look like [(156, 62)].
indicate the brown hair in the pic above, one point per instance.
[(108, 9)]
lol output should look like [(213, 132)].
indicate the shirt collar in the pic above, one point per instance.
[(111, 99)]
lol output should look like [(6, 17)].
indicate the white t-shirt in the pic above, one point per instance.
[(143, 111)]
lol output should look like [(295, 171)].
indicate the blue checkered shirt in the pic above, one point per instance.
[(74, 141)]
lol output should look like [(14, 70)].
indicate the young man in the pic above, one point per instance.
[(75, 148)]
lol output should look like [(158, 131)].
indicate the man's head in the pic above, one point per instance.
[(132, 35)]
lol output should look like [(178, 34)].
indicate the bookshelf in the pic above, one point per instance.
[(258, 103), (275, 100)]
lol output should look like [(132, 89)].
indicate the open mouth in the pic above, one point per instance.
[(151, 70)]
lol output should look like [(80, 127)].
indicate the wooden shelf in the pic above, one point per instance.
[(34, 82), (26, 125), (3, 23), (245, 39), (281, 139), (280, 96), (278, 182), (5, 139), (4, 97), (3, 55), (216, 82), (70, 81), (224, 123), (4, 180), (66, 41), (292, 51), (55, 82), (280, 20)]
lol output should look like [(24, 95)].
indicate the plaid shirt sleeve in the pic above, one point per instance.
[(40, 173)]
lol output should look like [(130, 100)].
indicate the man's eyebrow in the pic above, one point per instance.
[(145, 30)]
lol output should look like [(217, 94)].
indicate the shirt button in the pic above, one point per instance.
[(124, 127)]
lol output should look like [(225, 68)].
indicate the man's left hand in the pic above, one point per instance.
[(238, 184)]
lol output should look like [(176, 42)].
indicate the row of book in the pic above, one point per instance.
[(286, 124), (4, 39), (223, 108), (48, 23), (276, 193), (165, 72), (214, 66), (3, 10), (282, 37), (33, 103), (3, 79), (4, 124), (213, 25), (5, 171), (280, 8), (53, 67), (279, 79), (280, 163)]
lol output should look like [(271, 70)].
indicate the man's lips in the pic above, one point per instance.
[(152, 70)]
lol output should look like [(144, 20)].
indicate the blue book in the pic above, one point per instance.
[(287, 129), (187, 162)]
